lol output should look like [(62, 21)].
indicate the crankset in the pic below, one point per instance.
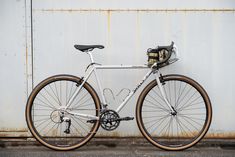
[(110, 120)]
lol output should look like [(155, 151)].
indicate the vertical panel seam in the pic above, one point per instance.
[(32, 46)]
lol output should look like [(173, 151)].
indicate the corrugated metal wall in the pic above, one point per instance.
[(203, 30)]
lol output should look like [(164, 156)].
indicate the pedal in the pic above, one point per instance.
[(91, 121), (125, 118)]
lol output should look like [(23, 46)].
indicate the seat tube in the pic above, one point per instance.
[(100, 87), (97, 79)]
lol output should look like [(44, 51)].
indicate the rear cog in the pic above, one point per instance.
[(109, 120)]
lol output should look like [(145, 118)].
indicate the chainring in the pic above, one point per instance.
[(109, 120)]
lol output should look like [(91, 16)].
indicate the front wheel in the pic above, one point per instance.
[(51, 124), (179, 130)]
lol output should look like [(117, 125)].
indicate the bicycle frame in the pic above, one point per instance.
[(94, 69), (63, 108)]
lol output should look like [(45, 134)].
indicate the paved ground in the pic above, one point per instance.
[(116, 148), (87, 151)]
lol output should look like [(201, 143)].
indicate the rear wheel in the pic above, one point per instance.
[(168, 130), (57, 128)]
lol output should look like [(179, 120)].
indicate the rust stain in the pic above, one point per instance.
[(108, 25), (117, 134), (23, 132), (14, 134), (226, 135), (137, 38), (108, 19), (26, 60), (26, 53), (13, 130), (8, 132), (221, 135), (209, 135), (109, 134), (135, 10)]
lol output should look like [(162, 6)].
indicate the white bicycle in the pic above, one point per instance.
[(173, 112)]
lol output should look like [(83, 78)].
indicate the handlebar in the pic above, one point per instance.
[(163, 52), (169, 49)]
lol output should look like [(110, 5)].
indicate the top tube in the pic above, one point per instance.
[(121, 66)]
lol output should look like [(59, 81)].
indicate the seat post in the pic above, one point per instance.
[(91, 57)]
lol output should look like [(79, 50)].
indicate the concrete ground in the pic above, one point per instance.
[(108, 147)]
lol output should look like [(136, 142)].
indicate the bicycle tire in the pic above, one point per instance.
[(171, 140), (56, 140)]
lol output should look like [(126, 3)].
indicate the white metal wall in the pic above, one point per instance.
[(203, 30), (13, 69)]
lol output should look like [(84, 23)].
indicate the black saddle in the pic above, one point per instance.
[(85, 48)]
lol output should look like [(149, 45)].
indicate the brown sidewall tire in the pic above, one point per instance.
[(189, 81), (34, 93)]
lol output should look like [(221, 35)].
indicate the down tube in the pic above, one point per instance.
[(133, 92)]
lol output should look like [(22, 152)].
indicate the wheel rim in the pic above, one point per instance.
[(45, 114), (180, 131)]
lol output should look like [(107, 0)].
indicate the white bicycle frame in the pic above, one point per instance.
[(94, 70)]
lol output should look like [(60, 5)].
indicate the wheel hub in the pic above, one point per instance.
[(174, 113)]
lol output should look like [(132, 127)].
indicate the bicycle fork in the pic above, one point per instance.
[(160, 85)]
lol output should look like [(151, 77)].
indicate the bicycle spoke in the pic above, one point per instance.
[(180, 94), (165, 92), (61, 93), (70, 92), (41, 119), (159, 121), (185, 96), (36, 126), (54, 94), (189, 103), (151, 116), (43, 109), (169, 86), (187, 100), (58, 128), (47, 106), (46, 103), (79, 124), (173, 130), (79, 119), (57, 93), (84, 103), (161, 98), (77, 103), (51, 95), (50, 129), (191, 123), (195, 108), (76, 129), (181, 127), (164, 127), (156, 102), (183, 115), (156, 106), (80, 106)]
